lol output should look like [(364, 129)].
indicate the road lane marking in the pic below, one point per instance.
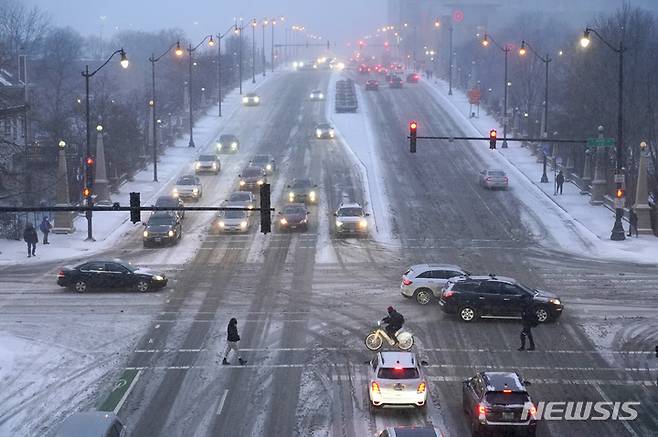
[(120, 391), (221, 402), (607, 399)]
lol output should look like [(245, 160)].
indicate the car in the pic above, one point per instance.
[(363, 69), (235, 220), (316, 95), (302, 190), (425, 281), (471, 297), (112, 273), (252, 178), (413, 78), (351, 219), (91, 424), (395, 379), (251, 99), (395, 82), (372, 85), (411, 431), (188, 187), (163, 227), (497, 402), (244, 199), (293, 216), (171, 202), (324, 131), (207, 163), (266, 162), (228, 143), (493, 179)]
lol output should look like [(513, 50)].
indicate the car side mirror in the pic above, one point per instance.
[(367, 214), (335, 214)]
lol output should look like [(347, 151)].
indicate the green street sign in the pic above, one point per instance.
[(600, 142)]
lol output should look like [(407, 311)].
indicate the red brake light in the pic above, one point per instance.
[(60, 274), (482, 410), (406, 281), (533, 410), (398, 368), (507, 391), (448, 293)]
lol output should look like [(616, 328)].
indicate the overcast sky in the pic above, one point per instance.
[(333, 19)]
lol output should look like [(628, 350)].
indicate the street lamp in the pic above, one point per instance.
[(253, 50), (506, 50), (219, 65), (88, 177), (274, 21), (190, 51), (179, 52), (546, 60), (617, 233), (264, 25), (239, 30)]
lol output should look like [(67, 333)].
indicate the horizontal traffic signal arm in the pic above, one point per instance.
[(531, 140), (117, 207)]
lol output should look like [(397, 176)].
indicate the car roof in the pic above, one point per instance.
[(159, 214), (296, 205), (304, 180), (490, 277), (414, 431), (105, 260), (391, 359), (349, 205), (261, 156), (431, 266), (498, 381), (242, 193), (167, 199), (208, 156), (188, 177), (316, 91), (251, 94), (86, 424), (227, 135)]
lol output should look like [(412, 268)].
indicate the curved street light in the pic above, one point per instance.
[(485, 42), (190, 51)]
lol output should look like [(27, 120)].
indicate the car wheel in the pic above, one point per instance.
[(467, 314), (374, 341), (423, 296), (80, 286), (542, 314), (143, 286)]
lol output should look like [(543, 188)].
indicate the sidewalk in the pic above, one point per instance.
[(110, 227), (591, 224)]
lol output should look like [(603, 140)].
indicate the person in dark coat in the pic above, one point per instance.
[(232, 342), (632, 218), (31, 238), (559, 180), (45, 227), (529, 321), (394, 322)]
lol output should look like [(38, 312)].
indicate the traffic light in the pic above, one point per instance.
[(492, 139), (135, 213), (265, 205), (86, 192), (620, 192), (89, 170), (413, 126)]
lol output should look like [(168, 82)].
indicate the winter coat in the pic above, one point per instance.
[(529, 319), (560, 179), (394, 320), (30, 234), (232, 331), (45, 226)]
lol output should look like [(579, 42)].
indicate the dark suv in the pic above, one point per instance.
[(479, 296), (163, 227), (499, 401)]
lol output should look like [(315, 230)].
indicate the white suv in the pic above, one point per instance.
[(396, 379), (351, 219), (422, 281)]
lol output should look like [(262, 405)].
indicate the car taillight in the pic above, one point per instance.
[(447, 293), (421, 388), (375, 387), (60, 274), (482, 410), (406, 281)]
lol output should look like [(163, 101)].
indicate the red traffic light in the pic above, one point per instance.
[(413, 125), (86, 192), (90, 160), (619, 193)]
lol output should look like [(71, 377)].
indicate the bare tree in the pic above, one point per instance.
[(21, 30)]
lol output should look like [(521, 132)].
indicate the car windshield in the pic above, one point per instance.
[(398, 373), (293, 210), (186, 181), (350, 212), (159, 221), (166, 201), (261, 159), (207, 158), (253, 171), (324, 126), (239, 197), (501, 398), (226, 138), (301, 183), (233, 214)]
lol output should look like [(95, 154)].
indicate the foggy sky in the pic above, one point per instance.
[(338, 20)]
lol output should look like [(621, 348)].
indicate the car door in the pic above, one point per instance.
[(513, 299), (93, 273), (424, 280), (117, 275), (486, 297), (496, 299)]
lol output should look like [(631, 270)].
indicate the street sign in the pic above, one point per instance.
[(619, 179), (600, 142), (458, 16), (474, 96), (546, 149)]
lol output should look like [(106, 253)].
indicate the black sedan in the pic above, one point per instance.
[(293, 216), (115, 274)]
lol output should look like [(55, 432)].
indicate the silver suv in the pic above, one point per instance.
[(424, 281), (351, 219), (396, 379)]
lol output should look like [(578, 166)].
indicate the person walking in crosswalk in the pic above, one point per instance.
[(232, 342)]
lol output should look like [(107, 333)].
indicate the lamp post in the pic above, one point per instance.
[(190, 51), (239, 31), (253, 50), (617, 233), (265, 23), (546, 60), (273, 21), (505, 50), (89, 160), (219, 65), (152, 103)]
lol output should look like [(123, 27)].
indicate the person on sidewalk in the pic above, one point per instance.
[(559, 180), (632, 219), (529, 320), (31, 238), (233, 339), (45, 227)]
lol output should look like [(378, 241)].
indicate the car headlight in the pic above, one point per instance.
[(250, 206), (311, 96), (146, 234), (158, 278), (234, 145), (219, 146), (331, 133), (220, 223), (291, 196), (214, 165), (304, 221), (245, 100), (195, 191), (555, 301), (268, 167), (256, 99), (243, 224), (320, 96), (197, 165), (363, 223), (283, 221), (318, 133), (242, 183), (170, 233), (174, 192), (312, 195), (295, 65), (260, 182), (339, 223)]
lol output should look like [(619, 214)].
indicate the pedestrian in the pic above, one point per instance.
[(31, 238), (529, 321), (233, 339), (560, 181), (45, 227), (632, 219)]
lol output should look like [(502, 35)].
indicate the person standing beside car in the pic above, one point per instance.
[(529, 321)]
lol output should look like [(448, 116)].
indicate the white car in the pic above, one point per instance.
[(316, 95), (243, 199), (232, 220), (424, 281), (188, 187), (207, 163), (324, 131), (351, 219), (491, 179), (251, 99), (395, 379)]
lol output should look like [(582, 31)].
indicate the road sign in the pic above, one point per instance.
[(474, 96), (546, 149), (600, 142), (458, 16), (619, 179)]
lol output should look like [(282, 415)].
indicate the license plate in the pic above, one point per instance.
[(158, 240), (508, 415), (293, 226)]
